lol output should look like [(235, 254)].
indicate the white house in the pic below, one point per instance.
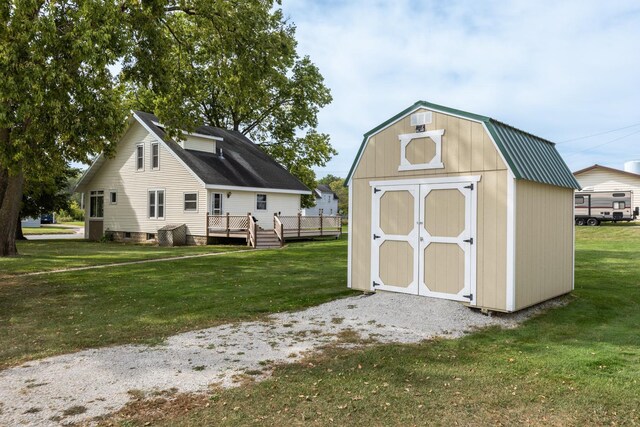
[(603, 178), (326, 202), (154, 181)]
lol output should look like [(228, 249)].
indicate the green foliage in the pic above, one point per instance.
[(47, 193), (72, 213), (234, 65)]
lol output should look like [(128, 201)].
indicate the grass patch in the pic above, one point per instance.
[(73, 223), (144, 303), (47, 255), (575, 365), (31, 231)]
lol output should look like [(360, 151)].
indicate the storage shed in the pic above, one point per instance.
[(449, 204)]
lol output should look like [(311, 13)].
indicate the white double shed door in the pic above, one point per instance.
[(424, 237)]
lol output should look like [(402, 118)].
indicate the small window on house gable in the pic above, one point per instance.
[(140, 157), (155, 156), (113, 197)]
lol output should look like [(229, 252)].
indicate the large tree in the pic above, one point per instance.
[(59, 100), (234, 65)]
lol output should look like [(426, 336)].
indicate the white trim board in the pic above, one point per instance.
[(350, 237), (255, 189), (439, 180), (511, 244)]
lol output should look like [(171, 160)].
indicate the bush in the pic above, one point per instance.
[(74, 213)]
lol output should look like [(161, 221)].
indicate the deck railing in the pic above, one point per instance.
[(252, 232), (287, 226), (278, 228), (227, 224)]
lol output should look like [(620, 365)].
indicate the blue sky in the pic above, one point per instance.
[(559, 69)]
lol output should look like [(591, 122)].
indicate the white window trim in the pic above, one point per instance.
[(96, 217), (138, 157), (113, 192), (221, 204), (266, 201), (155, 144), (164, 204), (184, 201), (435, 163)]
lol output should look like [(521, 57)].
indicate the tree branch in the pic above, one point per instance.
[(264, 115)]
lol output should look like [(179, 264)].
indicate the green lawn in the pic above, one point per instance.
[(46, 255), (576, 365), (63, 312), (47, 230), (74, 223)]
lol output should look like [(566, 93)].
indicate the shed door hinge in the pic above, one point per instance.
[(375, 236), (470, 186), (470, 296), (375, 190), (376, 284), (470, 240)]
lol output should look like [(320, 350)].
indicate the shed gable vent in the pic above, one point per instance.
[(423, 118)]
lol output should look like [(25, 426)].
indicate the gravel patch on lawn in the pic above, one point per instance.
[(80, 386)]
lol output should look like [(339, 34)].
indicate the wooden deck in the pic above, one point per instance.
[(284, 228)]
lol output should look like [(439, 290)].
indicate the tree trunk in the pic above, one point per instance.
[(19, 234), (11, 186)]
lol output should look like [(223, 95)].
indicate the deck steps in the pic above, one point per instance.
[(267, 239)]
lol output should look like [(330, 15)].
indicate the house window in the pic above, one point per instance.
[(155, 156), (261, 202), (190, 202), (151, 236), (96, 204), (140, 157), (127, 234), (156, 204), (113, 197), (579, 200), (216, 204), (618, 205)]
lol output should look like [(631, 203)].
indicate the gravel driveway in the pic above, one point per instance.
[(80, 386)]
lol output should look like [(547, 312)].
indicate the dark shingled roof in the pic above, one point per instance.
[(244, 163), (325, 189)]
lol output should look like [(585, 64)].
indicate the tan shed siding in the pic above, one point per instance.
[(466, 150), (361, 235), (130, 213), (491, 238), (466, 147), (604, 180), (544, 242)]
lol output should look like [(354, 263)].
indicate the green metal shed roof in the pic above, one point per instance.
[(528, 156)]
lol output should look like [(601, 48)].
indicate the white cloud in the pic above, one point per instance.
[(557, 69)]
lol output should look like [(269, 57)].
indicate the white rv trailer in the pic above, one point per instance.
[(593, 207)]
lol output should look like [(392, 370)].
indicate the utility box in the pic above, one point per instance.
[(172, 235)]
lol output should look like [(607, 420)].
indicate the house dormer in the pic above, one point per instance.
[(195, 141), (199, 142)]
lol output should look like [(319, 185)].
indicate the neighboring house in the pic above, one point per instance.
[(326, 202), (603, 178), (154, 181), (31, 222), (451, 204)]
